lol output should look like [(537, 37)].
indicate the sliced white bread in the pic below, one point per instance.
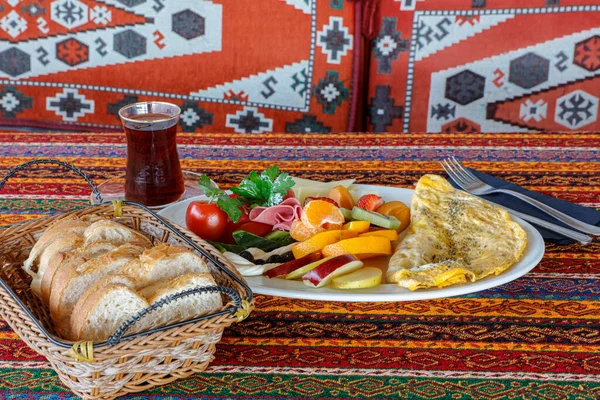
[(162, 263), (103, 310), (110, 231), (184, 308), (68, 287), (52, 233), (71, 260), (63, 243), (82, 303), (97, 259)]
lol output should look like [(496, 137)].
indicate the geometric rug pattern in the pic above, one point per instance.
[(536, 337), (242, 66), (485, 66)]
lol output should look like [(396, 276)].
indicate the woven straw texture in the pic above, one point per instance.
[(132, 365)]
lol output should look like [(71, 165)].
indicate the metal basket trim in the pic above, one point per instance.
[(118, 211), (232, 311)]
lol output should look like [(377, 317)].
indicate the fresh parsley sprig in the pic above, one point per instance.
[(264, 190), (224, 202)]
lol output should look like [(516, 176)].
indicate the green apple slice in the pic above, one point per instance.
[(363, 278), (375, 218)]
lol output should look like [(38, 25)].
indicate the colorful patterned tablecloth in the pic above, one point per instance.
[(535, 338)]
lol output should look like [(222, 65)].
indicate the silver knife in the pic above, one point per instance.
[(580, 237)]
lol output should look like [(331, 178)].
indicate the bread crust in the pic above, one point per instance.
[(53, 265), (102, 230), (79, 320), (77, 257), (183, 308), (72, 224), (154, 264), (161, 289), (89, 298), (63, 243), (62, 277), (66, 276), (80, 262)]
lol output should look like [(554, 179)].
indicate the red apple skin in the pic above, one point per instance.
[(318, 274), (293, 265)]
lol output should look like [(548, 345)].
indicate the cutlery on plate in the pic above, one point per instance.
[(580, 237), (469, 182)]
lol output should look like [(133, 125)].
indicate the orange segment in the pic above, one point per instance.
[(396, 209), (389, 234), (332, 227), (366, 245), (357, 226), (319, 241), (342, 196), (300, 231), (318, 212)]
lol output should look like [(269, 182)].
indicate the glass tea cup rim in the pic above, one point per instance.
[(133, 105)]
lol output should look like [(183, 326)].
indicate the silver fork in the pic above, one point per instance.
[(474, 185)]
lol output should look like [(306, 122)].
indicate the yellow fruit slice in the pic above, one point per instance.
[(363, 278), (358, 226), (332, 227), (319, 241), (372, 245), (389, 234)]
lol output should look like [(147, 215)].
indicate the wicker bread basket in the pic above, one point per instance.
[(125, 363)]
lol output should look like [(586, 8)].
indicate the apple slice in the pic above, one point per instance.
[(290, 266), (323, 273), (307, 268), (363, 278)]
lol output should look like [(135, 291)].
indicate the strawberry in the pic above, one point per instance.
[(369, 202), (327, 199)]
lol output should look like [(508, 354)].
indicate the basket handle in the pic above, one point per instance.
[(73, 168), (240, 309)]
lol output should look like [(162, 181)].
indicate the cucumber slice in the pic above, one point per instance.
[(347, 214), (280, 239), (385, 221), (276, 235), (223, 247), (247, 239)]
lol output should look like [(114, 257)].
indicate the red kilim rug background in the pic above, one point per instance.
[(485, 65), (242, 66)]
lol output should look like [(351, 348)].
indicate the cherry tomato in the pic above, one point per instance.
[(227, 236), (257, 228), (290, 193), (206, 220)]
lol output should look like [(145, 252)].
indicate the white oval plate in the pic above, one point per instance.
[(384, 292)]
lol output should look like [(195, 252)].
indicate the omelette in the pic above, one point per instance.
[(453, 238)]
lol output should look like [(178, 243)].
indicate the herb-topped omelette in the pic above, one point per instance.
[(454, 237)]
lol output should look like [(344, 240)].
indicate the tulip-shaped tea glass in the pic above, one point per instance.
[(153, 176)]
